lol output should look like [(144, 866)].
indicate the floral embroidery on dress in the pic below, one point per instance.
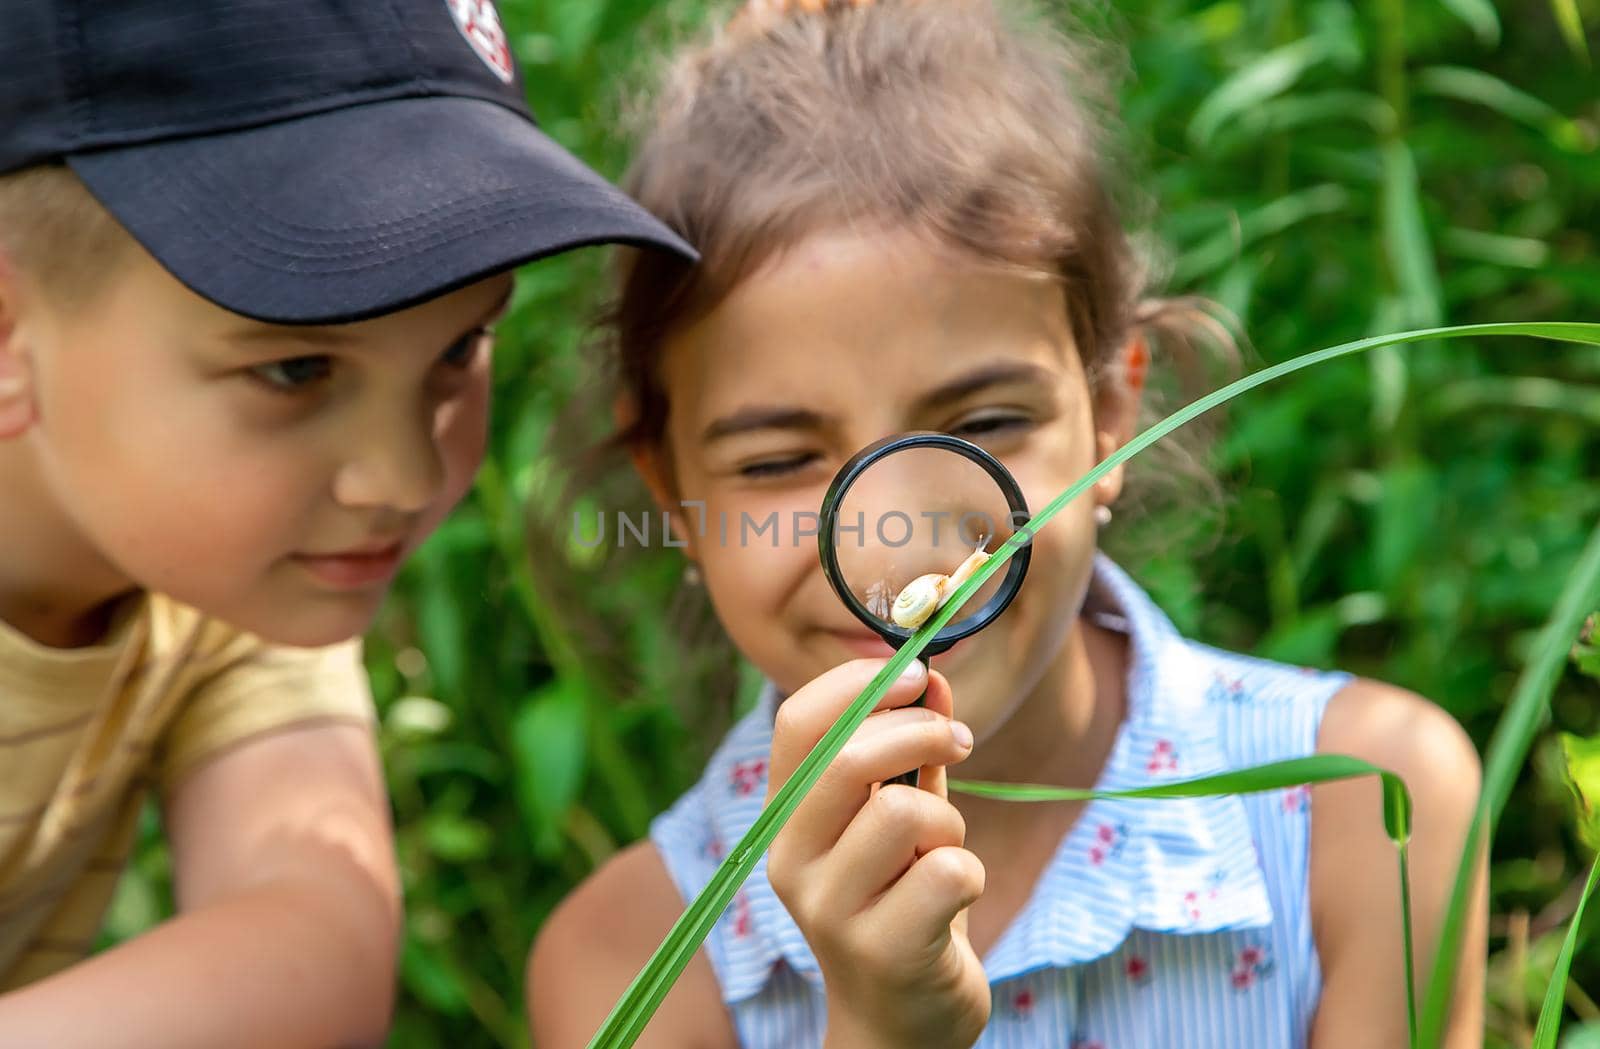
[(1250, 966), (1195, 900), (1108, 841), (1297, 798), (748, 776), (1225, 689), (1022, 1003), (743, 922), (1137, 969), (1163, 757), (711, 849)]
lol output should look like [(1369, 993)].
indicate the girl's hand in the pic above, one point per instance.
[(877, 879)]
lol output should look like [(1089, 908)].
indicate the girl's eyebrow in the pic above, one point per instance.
[(761, 418), (998, 374)]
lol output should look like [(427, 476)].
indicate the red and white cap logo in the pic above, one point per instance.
[(479, 22)]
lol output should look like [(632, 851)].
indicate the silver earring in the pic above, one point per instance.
[(691, 574), (1102, 515)]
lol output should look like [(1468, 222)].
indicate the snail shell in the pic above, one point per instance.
[(926, 594), (919, 600)]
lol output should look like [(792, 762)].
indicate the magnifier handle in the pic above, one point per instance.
[(909, 778)]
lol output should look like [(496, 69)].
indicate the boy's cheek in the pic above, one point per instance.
[(462, 433)]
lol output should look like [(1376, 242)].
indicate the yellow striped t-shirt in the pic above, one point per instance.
[(86, 733)]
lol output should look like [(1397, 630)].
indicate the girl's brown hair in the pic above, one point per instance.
[(975, 123)]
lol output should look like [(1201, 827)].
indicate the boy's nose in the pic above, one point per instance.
[(397, 467)]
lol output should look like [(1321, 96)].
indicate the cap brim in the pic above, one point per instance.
[(361, 211)]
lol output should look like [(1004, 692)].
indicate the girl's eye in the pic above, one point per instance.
[(465, 350), (294, 374), (992, 425), (770, 468)]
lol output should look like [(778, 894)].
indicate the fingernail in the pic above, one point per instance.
[(963, 735), (914, 671)]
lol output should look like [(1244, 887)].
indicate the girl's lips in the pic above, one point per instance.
[(864, 646), (871, 646), (353, 571)]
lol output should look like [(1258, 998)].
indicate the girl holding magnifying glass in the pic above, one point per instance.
[(907, 223)]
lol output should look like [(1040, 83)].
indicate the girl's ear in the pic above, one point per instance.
[(1117, 411), (17, 413), (651, 462)]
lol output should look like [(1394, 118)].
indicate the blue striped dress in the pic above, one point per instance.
[(1157, 923)]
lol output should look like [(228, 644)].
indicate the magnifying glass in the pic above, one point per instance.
[(905, 521)]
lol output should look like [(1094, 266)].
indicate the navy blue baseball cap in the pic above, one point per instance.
[(304, 161)]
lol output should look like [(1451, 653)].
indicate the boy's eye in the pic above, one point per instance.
[(293, 374), (465, 350)]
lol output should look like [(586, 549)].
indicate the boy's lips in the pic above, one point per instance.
[(356, 568)]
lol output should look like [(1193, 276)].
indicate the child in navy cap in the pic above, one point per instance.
[(250, 255)]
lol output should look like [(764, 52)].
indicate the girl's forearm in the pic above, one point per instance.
[(285, 964)]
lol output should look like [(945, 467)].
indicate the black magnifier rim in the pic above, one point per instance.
[(850, 472)]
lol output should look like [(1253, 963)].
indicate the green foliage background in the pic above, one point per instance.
[(1325, 170)]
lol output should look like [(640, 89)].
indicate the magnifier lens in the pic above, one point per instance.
[(910, 523)]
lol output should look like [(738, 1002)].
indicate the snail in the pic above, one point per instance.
[(924, 595)]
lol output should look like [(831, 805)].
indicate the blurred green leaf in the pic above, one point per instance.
[(432, 980), (549, 744), (1485, 89), (1586, 653), (1584, 1036), (457, 840), (1405, 237), (1265, 221), (1263, 78), (1582, 768), (1480, 16), (1571, 21), (1544, 1036)]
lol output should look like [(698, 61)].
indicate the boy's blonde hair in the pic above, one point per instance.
[(54, 231)]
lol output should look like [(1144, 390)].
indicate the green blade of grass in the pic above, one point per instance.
[(1319, 768), (1265, 77), (1571, 22), (644, 995), (1480, 16), (1544, 1035), (1508, 749)]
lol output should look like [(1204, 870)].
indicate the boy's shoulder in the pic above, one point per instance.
[(598, 939), (219, 685)]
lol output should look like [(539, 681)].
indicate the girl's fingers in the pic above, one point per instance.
[(805, 717), (886, 745), (936, 891), (896, 827)]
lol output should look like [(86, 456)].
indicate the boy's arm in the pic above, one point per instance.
[(288, 913)]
